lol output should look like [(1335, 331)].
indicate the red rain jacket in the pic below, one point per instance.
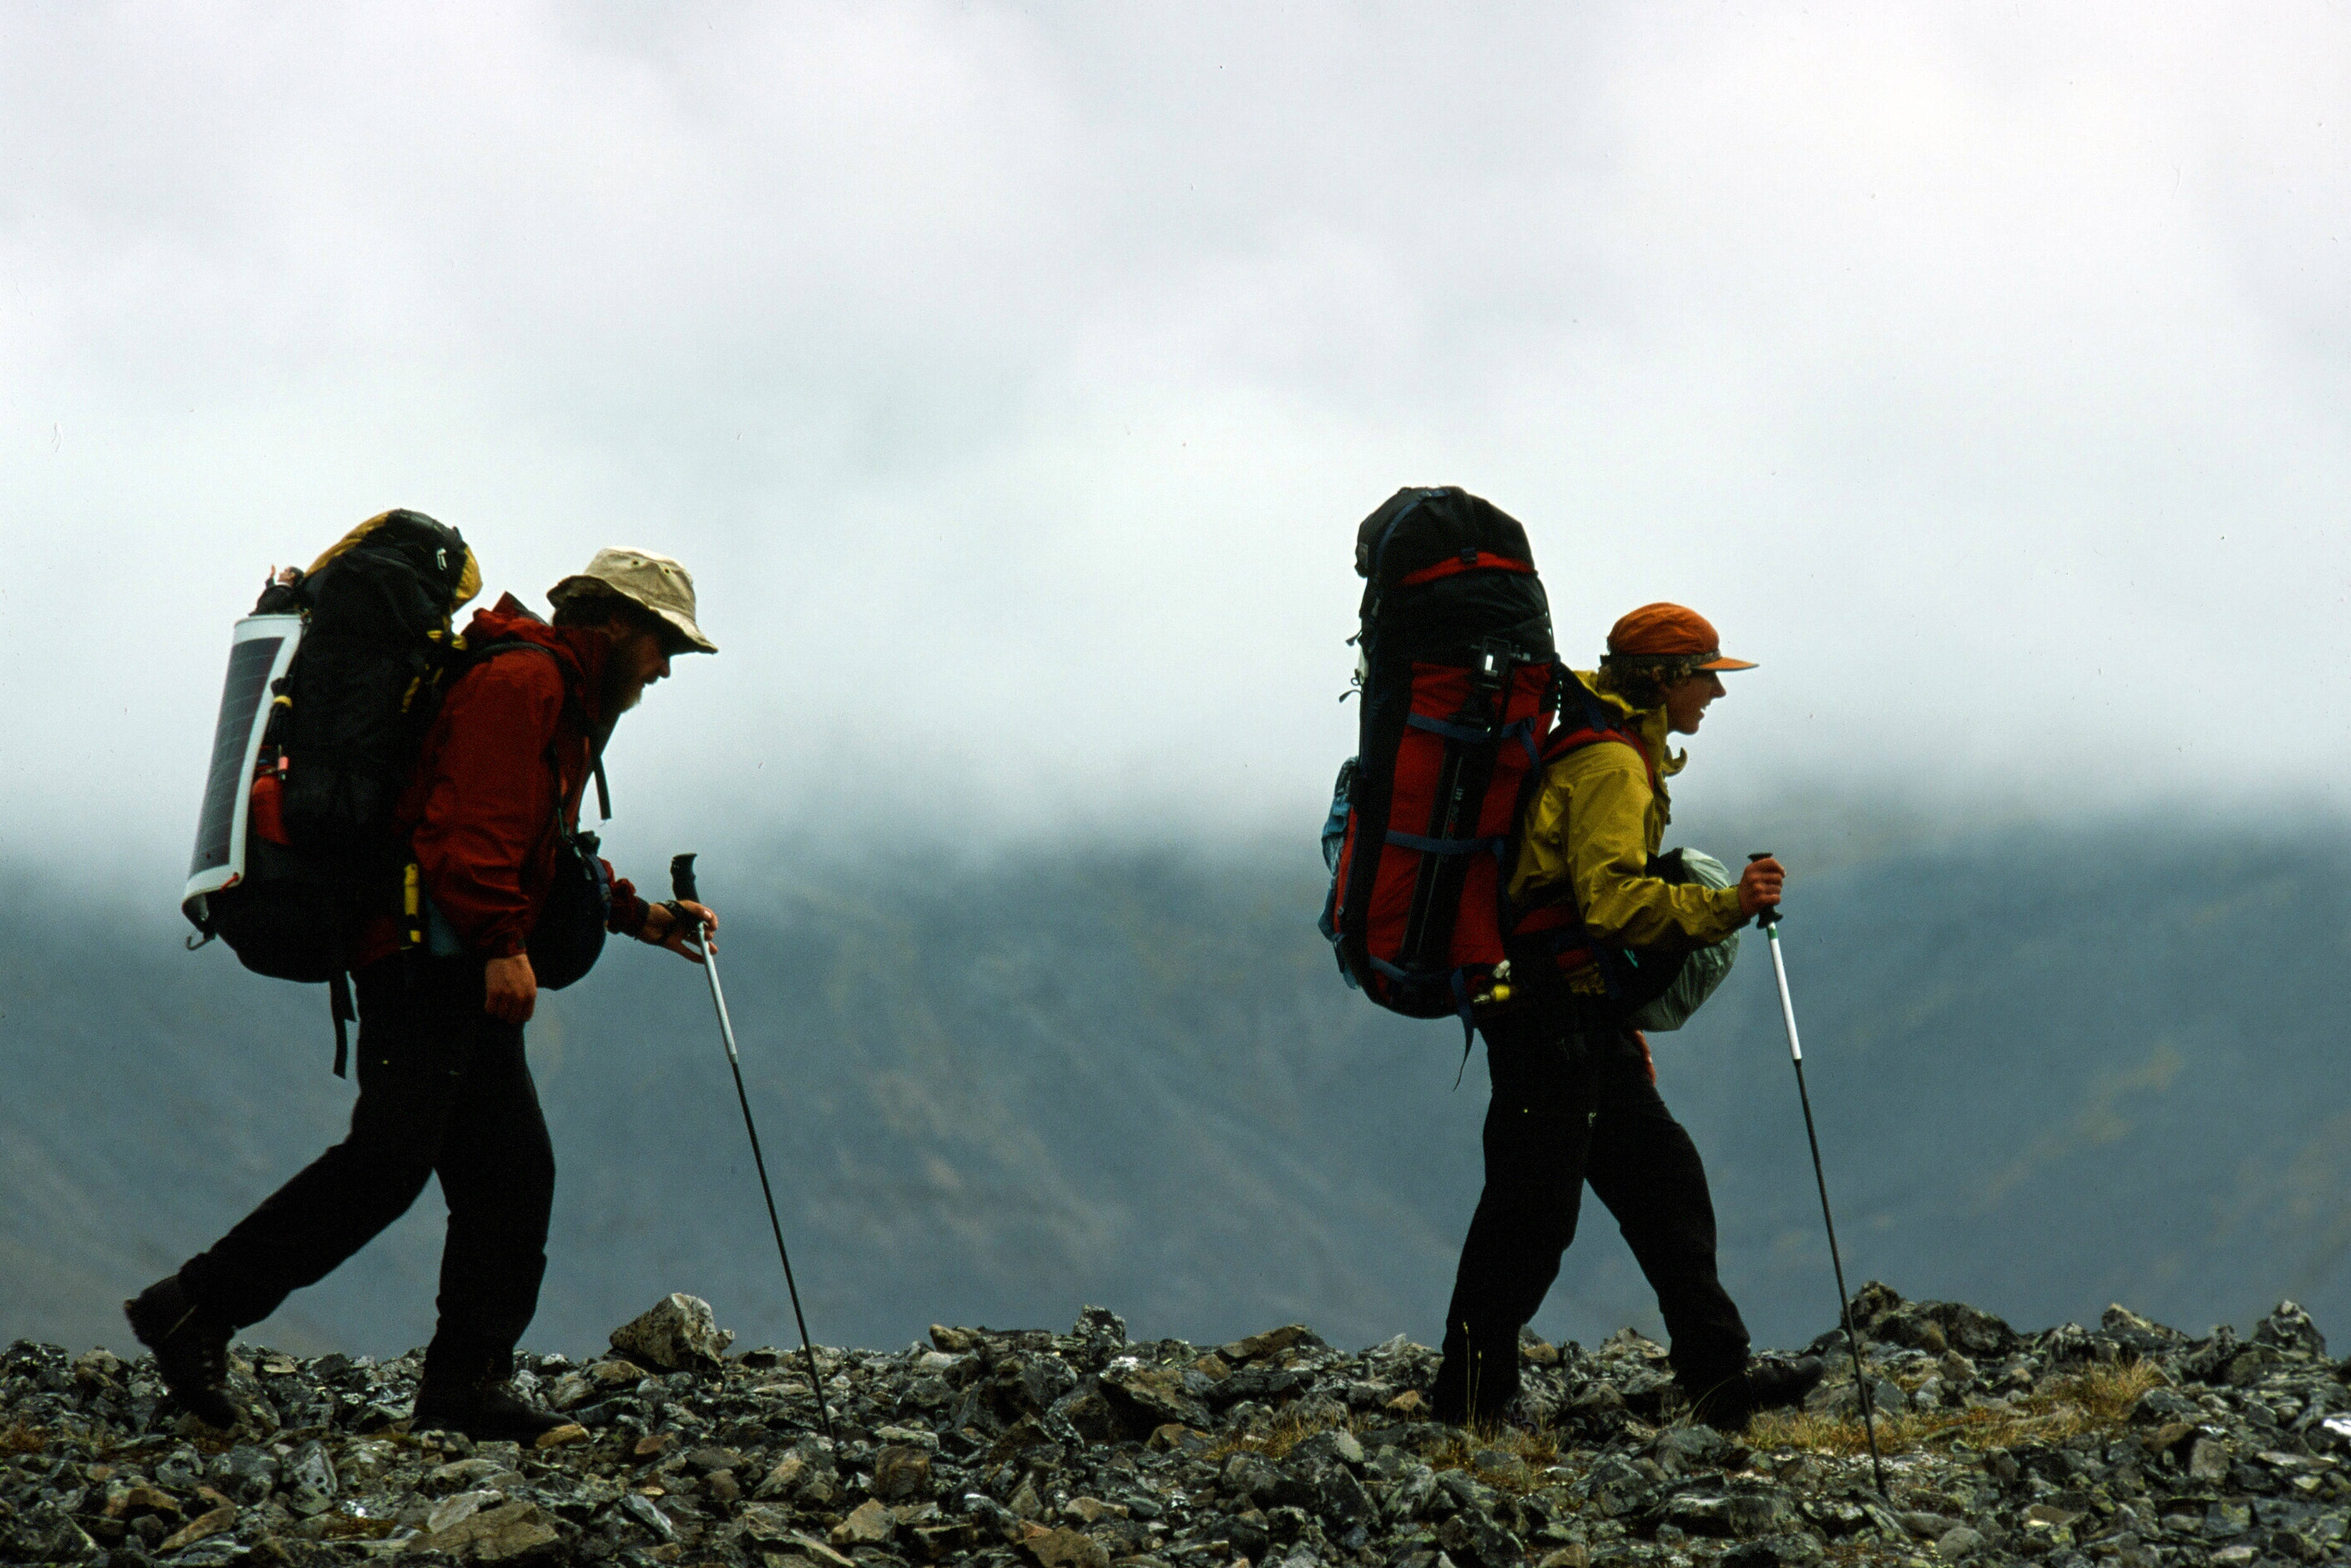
[(480, 810)]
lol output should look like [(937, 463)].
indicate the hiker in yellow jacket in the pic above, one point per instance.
[(1574, 1097)]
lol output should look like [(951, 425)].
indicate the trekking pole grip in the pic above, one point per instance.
[(1766, 917), (681, 879)]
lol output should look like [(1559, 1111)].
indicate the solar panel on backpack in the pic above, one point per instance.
[(259, 651)]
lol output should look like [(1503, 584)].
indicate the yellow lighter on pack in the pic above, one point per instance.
[(412, 907)]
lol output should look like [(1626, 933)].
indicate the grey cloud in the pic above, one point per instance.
[(1012, 376)]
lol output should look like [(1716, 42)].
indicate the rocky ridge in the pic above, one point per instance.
[(2127, 1444)]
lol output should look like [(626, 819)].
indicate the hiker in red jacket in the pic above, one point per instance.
[(445, 1089)]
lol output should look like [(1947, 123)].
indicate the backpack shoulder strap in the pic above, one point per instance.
[(1561, 742), (1600, 726), (572, 707), (1547, 924)]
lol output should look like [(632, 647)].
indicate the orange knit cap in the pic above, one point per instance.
[(1671, 632)]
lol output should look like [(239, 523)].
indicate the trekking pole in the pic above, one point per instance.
[(1769, 918), (681, 882)]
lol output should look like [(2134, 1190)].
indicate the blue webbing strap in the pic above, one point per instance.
[(1460, 732), (1426, 846), (1524, 729)]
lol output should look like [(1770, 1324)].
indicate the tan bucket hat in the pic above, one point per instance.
[(654, 581)]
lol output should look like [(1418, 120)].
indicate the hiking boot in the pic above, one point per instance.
[(1478, 1380), (190, 1349), (1770, 1383), (484, 1406)]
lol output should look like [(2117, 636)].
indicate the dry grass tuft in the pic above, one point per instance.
[(2095, 1400), (1462, 1449), (351, 1527), (1288, 1429), (1537, 1450), (20, 1438)]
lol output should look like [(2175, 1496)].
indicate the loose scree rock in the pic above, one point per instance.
[(2128, 1444)]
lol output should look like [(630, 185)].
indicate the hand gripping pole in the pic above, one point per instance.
[(1769, 918), (681, 882)]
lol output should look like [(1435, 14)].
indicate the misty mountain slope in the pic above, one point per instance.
[(2051, 1071), (152, 1098), (1124, 1073), (2055, 1073)]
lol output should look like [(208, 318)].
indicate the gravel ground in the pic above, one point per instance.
[(2124, 1444)]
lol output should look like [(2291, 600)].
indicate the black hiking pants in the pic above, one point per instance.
[(1573, 1105), (443, 1090)]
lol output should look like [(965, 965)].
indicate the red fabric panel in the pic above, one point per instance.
[(1454, 565), (1420, 756), (1477, 922), (1439, 691), (1478, 929)]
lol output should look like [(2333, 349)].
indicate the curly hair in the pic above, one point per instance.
[(1641, 679)]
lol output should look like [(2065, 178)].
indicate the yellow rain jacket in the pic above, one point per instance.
[(1594, 824)]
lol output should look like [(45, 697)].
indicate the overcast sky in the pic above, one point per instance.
[(1012, 378)]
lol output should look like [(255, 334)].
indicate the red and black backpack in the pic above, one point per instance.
[(1461, 686), (1459, 683)]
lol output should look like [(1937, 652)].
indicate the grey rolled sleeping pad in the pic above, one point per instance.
[(1704, 969)]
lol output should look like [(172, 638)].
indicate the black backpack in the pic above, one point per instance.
[(332, 681)]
